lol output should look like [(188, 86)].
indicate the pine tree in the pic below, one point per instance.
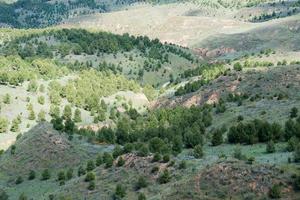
[(15, 125), (77, 116), (198, 151), (270, 148), (217, 138)]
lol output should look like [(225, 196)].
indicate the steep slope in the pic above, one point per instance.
[(42, 148)]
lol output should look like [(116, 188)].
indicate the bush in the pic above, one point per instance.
[(120, 192), (275, 192), (182, 165), (41, 100), (141, 183), (69, 174), (3, 125), (217, 138), (45, 175), (99, 160), (238, 153), (165, 177), (156, 157), (81, 171), (90, 165), (90, 177), (61, 176), (31, 175), (237, 66), (294, 112), (141, 196), (166, 158), (108, 160), (297, 153), (198, 152), (19, 180), (92, 185), (270, 148)]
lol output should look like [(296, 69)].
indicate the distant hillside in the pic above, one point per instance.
[(33, 13)]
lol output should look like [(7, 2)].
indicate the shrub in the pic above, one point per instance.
[(90, 165), (237, 66), (165, 177), (92, 185), (41, 100), (108, 160), (141, 196), (81, 171), (99, 160), (61, 176), (3, 124), (141, 183), (297, 153), (31, 175), (69, 174), (19, 180), (45, 175), (270, 148), (166, 158), (275, 192), (120, 192), (90, 176), (182, 165), (198, 152), (77, 116), (217, 138), (294, 112), (156, 157)]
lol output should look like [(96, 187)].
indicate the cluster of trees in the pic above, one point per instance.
[(207, 74), (80, 41), (164, 131), (257, 130), (96, 84), (43, 13), (15, 70)]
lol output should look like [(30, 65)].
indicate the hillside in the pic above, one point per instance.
[(152, 99)]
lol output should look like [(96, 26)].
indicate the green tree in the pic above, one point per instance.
[(108, 159), (90, 165), (61, 176), (237, 66), (141, 196), (297, 153), (217, 138), (90, 176), (3, 195), (3, 125), (99, 160), (294, 112), (198, 151), (54, 111), (141, 183), (77, 116), (31, 115), (46, 175), (69, 174), (67, 114), (19, 180), (42, 116), (31, 175), (270, 148), (6, 99), (23, 197), (275, 192), (120, 192), (41, 100), (165, 177), (15, 125), (32, 86), (81, 171)]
